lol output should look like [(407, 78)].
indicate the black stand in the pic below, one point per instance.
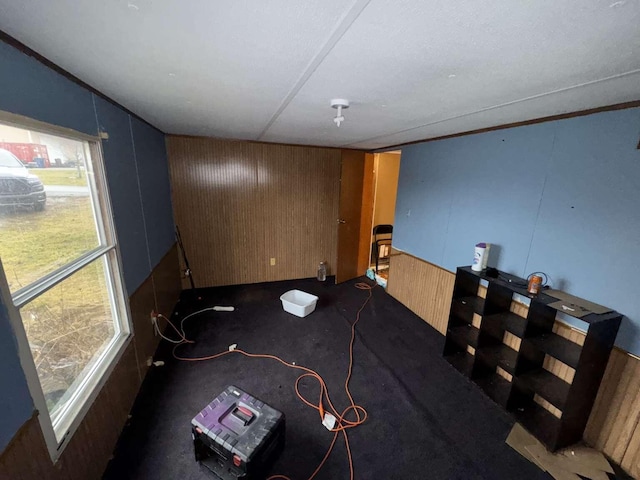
[(529, 378)]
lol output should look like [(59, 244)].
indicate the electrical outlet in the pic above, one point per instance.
[(272, 261), (154, 321)]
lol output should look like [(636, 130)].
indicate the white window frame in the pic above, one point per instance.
[(58, 434)]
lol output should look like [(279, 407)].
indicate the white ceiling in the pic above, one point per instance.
[(412, 69)]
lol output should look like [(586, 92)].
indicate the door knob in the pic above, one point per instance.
[(341, 221)]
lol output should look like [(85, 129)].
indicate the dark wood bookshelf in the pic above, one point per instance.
[(466, 306), (496, 387), (462, 361), (544, 383), (540, 422), (478, 353), (464, 335), (558, 347), (501, 356), (507, 321)]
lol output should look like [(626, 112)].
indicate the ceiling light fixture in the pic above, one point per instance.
[(340, 104)]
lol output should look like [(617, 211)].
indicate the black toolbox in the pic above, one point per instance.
[(238, 436)]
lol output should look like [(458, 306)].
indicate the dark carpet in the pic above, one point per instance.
[(426, 421)]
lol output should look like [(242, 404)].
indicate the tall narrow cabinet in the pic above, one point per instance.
[(516, 378)]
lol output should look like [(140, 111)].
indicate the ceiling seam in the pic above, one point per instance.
[(341, 28), (494, 107)]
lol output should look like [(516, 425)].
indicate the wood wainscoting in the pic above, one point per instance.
[(614, 425), (424, 288), (240, 204), (86, 456)]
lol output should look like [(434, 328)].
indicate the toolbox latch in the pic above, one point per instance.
[(243, 414)]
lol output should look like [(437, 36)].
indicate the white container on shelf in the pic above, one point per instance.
[(485, 257), (298, 303), (479, 257)]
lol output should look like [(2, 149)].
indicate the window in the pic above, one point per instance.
[(60, 268)]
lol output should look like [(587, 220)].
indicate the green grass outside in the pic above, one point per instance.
[(55, 176), (66, 327), (68, 324), (35, 243)]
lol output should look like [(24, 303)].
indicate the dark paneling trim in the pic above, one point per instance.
[(168, 253), (561, 116), (9, 40), (20, 432), (148, 277), (300, 145)]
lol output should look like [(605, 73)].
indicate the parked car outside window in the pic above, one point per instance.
[(19, 187)]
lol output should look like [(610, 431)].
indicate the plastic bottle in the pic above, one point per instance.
[(485, 257), (322, 272), (478, 257)]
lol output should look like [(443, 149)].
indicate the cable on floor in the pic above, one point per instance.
[(341, 425), (156, 328)]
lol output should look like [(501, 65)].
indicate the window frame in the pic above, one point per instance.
[(70, 416)]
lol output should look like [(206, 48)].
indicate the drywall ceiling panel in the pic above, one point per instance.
[(267, 70), (423, 62), (199, 67), (619, 90)]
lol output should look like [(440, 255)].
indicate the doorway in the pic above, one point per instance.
[(386, 170), (368, 191)]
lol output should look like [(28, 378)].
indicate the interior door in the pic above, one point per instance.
[(350, 212)]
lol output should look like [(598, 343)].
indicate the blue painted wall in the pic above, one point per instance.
[(562, 197), (153, 173), (29, 88), (127, 206), (15, 401)]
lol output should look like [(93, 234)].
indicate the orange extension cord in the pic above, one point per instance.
[(342, 424)]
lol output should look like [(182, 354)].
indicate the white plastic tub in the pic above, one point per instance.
[(298, 303)]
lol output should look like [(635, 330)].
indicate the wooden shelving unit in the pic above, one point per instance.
[(515, 378)]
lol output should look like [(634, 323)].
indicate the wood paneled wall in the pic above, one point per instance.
[(422, 287), (239, 204), (614, 425), (86, 456)]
